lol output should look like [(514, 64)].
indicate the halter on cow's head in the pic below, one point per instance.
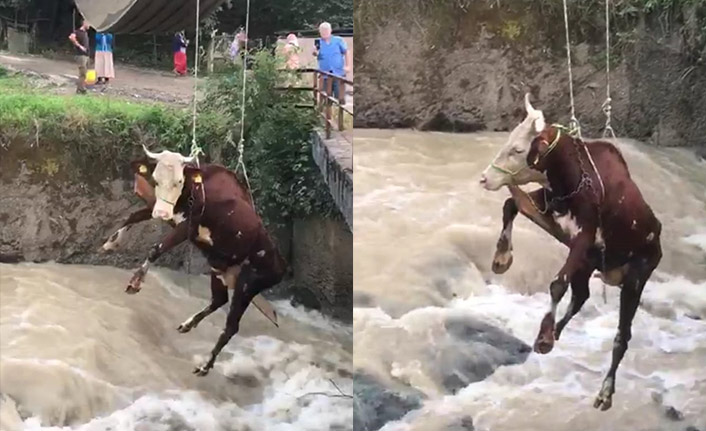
[(169, 181), (510, 164)]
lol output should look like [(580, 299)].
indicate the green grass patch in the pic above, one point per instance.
[(91, 138)]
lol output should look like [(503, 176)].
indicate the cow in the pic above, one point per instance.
[(211, 208), (511, 168), (600, 207)]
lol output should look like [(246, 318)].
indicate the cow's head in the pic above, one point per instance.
[(510, 164), (168, 176)]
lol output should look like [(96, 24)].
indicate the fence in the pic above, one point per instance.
[(331, 107)]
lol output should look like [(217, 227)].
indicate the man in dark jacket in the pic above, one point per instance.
[(80, 40)]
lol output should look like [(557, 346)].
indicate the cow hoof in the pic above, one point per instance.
[(603, 402), (502, 262), (545, 339), (201, 371), (543, 346), (132, 288), (184, 328)]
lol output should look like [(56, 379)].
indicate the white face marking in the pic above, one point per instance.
[(261, 253), (634, 224), (179, 217), (169, 177), (568, 224), (246, 262), (205, 235), (513, 156), (650, 237), (239, 234), (112, 245)]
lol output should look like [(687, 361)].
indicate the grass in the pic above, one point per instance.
[(99, 133)]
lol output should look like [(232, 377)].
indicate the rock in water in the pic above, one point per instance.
[(479, 349), (374, 405)]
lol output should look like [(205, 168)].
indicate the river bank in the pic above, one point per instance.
[(466, 69)]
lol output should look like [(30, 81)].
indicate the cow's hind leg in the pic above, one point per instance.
[(579, 295), (638, 273), (249, 284), (503, 250), (219, 297)]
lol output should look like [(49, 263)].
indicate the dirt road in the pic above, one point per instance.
[(130, 81)]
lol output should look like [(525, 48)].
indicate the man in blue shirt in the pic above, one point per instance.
[(333, 56)]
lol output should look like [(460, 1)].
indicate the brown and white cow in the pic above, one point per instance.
[(211, 208), (601, 206)]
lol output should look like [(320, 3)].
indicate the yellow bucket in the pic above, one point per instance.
[(91, 77)]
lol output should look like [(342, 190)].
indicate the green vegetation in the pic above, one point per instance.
[(277, 136), (99, 135), (96, 131)]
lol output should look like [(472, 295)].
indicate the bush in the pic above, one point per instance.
[(277, 138)]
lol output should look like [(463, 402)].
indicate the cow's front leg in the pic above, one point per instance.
[(173, 238), (503, 250), (134, 218), (577, 260)]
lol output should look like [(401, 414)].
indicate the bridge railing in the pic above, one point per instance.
[(331, 107)]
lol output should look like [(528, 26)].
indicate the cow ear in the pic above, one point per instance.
[(191, 171), (143, 167)]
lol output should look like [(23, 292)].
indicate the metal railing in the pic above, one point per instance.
[(324, 100)]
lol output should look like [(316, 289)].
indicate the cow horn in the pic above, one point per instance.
[(528, 106), (151, 154), (188, 159)]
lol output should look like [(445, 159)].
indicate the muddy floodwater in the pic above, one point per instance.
[(80, 354), (435, 326)]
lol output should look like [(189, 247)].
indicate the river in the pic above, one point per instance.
[(80, 354), (425, 233)]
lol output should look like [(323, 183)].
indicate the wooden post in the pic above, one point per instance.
[(211, 51), (316, 87), (154, 47), (341, 92), (321, 91), (329, 91)]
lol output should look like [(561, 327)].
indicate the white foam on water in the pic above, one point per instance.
[(120, 364)]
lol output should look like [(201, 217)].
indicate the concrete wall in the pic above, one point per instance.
[(335, 160), (322, 261)]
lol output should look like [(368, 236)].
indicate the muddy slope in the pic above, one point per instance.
[(465, 69)]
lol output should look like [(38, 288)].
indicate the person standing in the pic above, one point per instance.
[(79, 38), (333, 56), (179, 48), (104, 57), (291, 51)]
